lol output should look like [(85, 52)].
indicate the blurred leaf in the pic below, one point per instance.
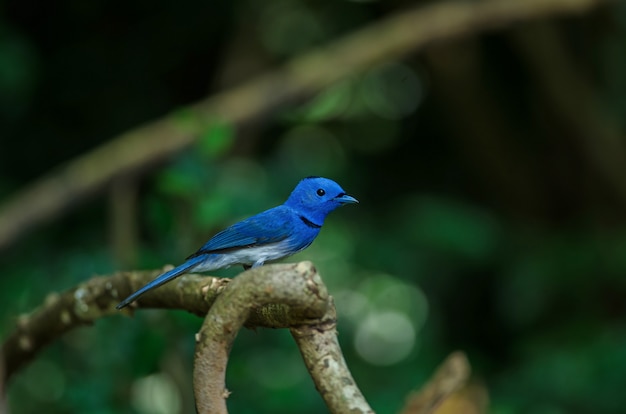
[(392, 90), (186, 119), (331, 103), (211, 211), (159, 217), (186, 178), (216, 140), (177, 183)]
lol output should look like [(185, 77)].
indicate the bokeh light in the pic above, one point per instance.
[(387, 315), (155, 394), (385, 338), (392, 90)]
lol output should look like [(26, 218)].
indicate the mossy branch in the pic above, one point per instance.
[(278, 296)]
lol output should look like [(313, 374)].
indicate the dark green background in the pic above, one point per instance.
[(488, 221)]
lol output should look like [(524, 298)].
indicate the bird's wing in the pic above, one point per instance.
[(270, 226)]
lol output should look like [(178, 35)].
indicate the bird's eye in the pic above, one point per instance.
[(321, 192)]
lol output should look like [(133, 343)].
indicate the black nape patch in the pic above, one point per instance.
[(312, 176)]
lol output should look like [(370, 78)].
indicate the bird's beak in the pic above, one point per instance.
[(346, 199)]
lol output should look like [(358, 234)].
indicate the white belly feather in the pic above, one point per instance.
[(253, 256)]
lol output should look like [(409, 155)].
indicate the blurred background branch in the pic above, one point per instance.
[(575, 103), (451, 376), (485, 140), (135, 150)]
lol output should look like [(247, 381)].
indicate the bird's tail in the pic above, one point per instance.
[(162, 279)]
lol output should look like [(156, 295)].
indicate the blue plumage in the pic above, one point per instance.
[(273, 234)]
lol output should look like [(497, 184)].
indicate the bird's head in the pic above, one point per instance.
[(315, 197)]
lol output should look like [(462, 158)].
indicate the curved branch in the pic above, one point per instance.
[(276, 296), (391, 38), (324, 360), (97, 297), (297, 286)]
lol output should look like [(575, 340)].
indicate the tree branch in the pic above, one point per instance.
[(391, 38), (451, 375), (97, 297), (94, 299), (300, 288), (323, 358), (277, 296)]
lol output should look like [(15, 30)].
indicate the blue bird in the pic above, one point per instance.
[(273, 234)]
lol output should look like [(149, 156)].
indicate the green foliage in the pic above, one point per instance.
[(216, 140), (512, 249)]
